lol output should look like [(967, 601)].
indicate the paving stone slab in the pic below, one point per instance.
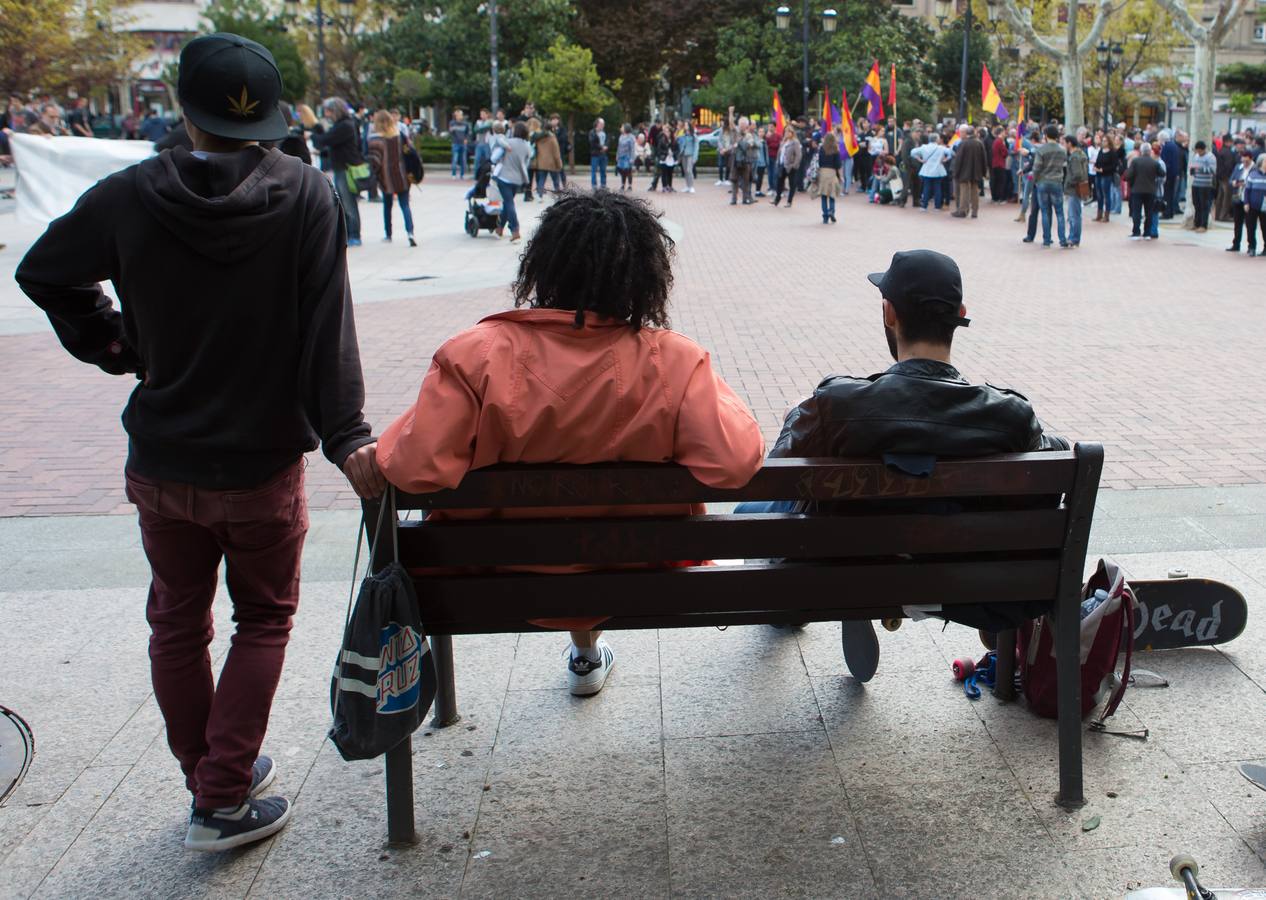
[(759, 816)]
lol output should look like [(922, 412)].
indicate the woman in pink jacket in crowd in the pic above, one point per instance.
[(589, 372)]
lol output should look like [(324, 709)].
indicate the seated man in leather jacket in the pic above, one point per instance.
[(920, 406)]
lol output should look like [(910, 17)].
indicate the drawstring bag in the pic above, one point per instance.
[(1107, 630), (384, 677)]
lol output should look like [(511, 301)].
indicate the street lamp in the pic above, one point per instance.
[(320, 20), (992, 8), (1109, 55), (782, 19)]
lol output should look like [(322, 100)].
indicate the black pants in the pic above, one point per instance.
[(1171, 197), (1141, 212), (666, 172), (787, 179), (1252, 218), (1237, 214), (997, 185), (1202, 199)]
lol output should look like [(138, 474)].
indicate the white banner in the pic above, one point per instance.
[(54, 171)]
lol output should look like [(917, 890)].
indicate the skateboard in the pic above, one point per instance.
[(1186, 872), (1254, 773), (1187, 612), (17, 746)]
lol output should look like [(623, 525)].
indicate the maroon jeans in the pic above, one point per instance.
[(215, 731)]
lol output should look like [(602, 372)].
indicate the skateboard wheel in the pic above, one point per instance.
[(1177, 572), (963, 669), (1183, 861), (891, 624)]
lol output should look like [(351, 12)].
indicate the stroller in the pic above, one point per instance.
[(482, 211)]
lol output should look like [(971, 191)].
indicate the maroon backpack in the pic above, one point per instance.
[(1106, 631)]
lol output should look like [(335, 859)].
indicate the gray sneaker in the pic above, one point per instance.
[(861, 648), (254, 820)]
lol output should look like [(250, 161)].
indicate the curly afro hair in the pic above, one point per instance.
[(599, 252)]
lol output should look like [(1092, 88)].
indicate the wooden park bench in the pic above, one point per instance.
[(1017, 532)]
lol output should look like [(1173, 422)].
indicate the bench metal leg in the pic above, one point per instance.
[(1068, 683), (1004, 684), (399, 779), (446, 689)]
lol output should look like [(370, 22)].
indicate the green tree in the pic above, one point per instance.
[(1243, 78), (565, 81), (1241, 104), (55, 45), (411, 86), (840, 60), (254, 20), (741, 86), (947, 65)]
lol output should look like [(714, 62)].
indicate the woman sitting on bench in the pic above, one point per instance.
[(589, 372)]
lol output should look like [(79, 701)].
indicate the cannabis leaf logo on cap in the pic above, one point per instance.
[(242, 106)]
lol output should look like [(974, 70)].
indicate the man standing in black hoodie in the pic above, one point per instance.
[(230, 267)]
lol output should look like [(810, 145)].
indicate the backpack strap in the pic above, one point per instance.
[(1128, 625)]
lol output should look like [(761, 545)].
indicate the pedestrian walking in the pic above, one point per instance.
[(666, 156), (1239, 177), (386, 162), (971, 165), (598, 153), (789, 153), (742, 159), (932, 157), (236, 319), (549, 159), (1049, 161), (1255, 202), (1203, 169), (1142, 175), (510, 173), (1076, 187), (625, 148), (342, 143), (688, 152), (1109, 164), (828, 181), (458, 132)]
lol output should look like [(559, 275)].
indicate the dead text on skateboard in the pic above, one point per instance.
[(1187, 612)]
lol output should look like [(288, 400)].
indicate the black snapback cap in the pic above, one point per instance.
[(230, 87), (921, 278)]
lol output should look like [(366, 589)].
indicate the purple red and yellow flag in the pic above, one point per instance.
[(828, 121), (871, 92), (847, 131), (780, 120), (990, 99), (892, 92)]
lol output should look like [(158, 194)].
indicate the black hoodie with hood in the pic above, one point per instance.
[(236, 314)]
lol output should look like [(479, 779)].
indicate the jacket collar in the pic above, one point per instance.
[(558, 319), (925, 368)]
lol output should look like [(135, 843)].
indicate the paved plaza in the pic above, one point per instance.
[(714, 764)]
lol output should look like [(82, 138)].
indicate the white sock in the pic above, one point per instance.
[(593, 654)]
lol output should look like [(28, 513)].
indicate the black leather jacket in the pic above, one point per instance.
[(917, 407)]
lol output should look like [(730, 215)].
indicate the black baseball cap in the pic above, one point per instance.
[(919, 278), (230, 87)]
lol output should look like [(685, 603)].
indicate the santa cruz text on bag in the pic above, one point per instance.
[(384, 678)]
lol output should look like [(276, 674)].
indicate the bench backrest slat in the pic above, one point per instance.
[(471, 600), (779, 479), (611, 541)]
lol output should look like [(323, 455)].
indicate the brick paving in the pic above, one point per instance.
[(1149, 347)]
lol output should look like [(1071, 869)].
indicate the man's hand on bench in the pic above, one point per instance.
[(361, 469)]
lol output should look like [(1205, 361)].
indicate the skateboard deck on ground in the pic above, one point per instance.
[(1254, 773), (17, 746), (1187, 612)]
